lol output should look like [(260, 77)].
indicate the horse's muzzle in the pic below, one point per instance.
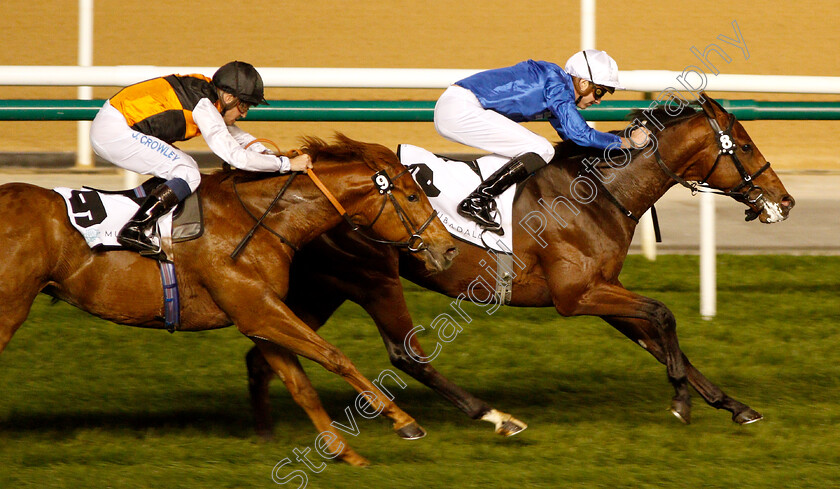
[(769, 212), (437, 261)]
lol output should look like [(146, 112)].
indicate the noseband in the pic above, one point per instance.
[(726, 147)]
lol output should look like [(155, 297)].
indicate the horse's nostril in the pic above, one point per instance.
[(451, 252), (787, 201)]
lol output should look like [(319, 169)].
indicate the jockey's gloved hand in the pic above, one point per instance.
[(301, 163)]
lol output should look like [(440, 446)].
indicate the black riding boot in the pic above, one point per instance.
[(480, 205), (133, 235)]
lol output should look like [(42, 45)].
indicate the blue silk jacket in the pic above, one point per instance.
[(533, 90)]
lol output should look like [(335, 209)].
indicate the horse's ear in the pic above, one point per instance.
[(710, 106)]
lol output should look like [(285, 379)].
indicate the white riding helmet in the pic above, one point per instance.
[(595, 66)]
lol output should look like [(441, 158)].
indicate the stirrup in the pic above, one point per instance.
[(468, 209), (145, 247)]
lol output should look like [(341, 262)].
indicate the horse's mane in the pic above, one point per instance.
[(345, 149), (564, 151), (662, 116)]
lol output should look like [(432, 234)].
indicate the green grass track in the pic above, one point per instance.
[(88, 404)]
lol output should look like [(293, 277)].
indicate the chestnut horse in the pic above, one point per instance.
[(571, 265), (42, 252)]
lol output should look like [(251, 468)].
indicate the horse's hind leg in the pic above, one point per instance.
[(288, 368), (391, 315), (260, 374), (19, 285), (13, 313), (33, 220)]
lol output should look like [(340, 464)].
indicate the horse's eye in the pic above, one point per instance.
[(746, 148), (413, 198)]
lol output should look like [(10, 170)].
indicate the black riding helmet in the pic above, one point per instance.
[(241, 80)]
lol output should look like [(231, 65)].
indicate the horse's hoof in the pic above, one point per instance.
[(511, 427), (411, 431), (682, 410), (506, 425), (747, 416)]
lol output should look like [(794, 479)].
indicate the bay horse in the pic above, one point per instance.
[(572, 264), (42, 252)]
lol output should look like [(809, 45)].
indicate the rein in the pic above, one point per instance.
[(242, 244), (247, 238), (626, 212)]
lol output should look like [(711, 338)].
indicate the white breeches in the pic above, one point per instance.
[(113, 140), (460, 117)]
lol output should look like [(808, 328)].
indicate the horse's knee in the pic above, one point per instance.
[(337, 362)]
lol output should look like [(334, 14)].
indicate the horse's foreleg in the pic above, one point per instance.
[(641, 333), (288, 368), (278, 325), (619, 304), (712, 394), (312, 308), (715, 397), (390, 313)]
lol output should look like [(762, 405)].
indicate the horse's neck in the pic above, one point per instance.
[(640, 184), (317, 212), (302, 213)]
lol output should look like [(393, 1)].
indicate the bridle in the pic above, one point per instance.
[(726, 147), (383, 183)]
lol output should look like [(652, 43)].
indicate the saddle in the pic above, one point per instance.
[(99, 214), (447, 181)]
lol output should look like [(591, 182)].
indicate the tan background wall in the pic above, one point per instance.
[(782, 37)]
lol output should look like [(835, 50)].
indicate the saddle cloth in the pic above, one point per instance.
[(100, 214), (447, 182)]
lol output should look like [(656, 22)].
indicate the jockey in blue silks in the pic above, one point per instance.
[(483, 111)]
